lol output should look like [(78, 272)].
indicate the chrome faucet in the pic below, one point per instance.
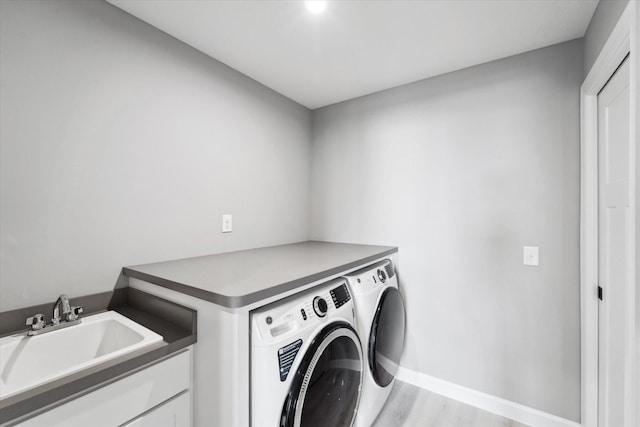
[(62, 301), (39, 326)]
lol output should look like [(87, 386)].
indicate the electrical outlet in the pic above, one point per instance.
[(227, 223), (530, 255)]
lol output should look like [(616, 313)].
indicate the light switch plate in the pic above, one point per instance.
[(227, 223), (530, 255)]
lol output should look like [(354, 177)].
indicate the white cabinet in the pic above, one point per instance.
[(174, 413), (155, 396)]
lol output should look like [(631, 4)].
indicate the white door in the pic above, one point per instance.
[(614, 248)]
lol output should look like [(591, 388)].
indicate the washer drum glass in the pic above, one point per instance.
[(326, 388)]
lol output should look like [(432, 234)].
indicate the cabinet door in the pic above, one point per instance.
[(122, 400), (174, 413)]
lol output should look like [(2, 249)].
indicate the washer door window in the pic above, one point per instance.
[(326, 388), (387, 337)]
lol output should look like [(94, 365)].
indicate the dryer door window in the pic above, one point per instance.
[(387, 337), (326, 388)]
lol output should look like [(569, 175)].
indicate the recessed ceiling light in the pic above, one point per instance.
[(316, 6)]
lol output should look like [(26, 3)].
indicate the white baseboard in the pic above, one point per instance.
[(506, 408)]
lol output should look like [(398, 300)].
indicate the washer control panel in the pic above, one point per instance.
[(340, 296), (320, 306), (279, 320)]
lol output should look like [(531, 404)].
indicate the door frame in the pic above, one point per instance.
[(622, 41)]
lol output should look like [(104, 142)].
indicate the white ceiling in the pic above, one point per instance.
[(359, 47)]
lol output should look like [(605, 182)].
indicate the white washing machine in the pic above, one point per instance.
[(380, 319), (307, 364)]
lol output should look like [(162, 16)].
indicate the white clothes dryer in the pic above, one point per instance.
[(380, 319), (307, 364)]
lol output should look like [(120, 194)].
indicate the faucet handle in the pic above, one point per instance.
[(36, 322), (75, 312)]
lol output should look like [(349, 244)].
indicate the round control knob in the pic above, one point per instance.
[(382, 276), (320, 306)]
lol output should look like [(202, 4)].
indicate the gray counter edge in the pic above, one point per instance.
[(244, 300)]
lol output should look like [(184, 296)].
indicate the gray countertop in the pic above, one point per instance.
[(237, 279)]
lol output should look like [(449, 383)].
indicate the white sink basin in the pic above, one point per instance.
[(28, 362)]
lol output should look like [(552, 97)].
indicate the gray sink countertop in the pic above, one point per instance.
[(176, 324)]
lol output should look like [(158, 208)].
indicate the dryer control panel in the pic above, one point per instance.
[(372, 278)]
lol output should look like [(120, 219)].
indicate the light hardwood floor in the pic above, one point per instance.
[(410, 406)]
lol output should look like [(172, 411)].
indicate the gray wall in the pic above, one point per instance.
[(461, 171), (604, 19), (120, 145)]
